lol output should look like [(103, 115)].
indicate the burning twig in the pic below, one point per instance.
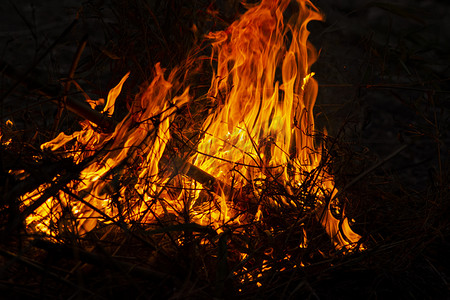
[(56, 185)]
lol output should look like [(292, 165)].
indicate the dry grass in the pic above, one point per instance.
[(382, 77)]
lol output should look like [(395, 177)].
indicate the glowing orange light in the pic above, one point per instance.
[(262, 132)]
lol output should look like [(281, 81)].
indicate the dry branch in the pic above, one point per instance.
[(56, 185), (20, 78), (363, 174), (77, 107), (69, 82), (42, 269)]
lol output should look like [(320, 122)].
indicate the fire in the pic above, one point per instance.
[(260, 136)]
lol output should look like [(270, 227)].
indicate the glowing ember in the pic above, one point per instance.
[(260, 137)]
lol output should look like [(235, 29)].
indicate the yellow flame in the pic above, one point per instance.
[(264, 128)]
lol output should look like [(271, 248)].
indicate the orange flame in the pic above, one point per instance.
[(261, 133)]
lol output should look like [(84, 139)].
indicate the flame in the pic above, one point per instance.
[(261, 136), (264, 129)]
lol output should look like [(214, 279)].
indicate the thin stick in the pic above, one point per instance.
[(79, 108), (68, 83), (360, 176), (43, 270), (38, 60), (102, 260)]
